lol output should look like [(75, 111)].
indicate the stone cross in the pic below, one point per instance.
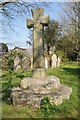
[(38, 22)]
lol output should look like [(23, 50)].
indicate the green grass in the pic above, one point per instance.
[(68, 75)]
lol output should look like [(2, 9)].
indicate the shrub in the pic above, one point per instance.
[(46, 107), (62, 55)]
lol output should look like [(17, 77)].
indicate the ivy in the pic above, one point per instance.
[(46, 107)]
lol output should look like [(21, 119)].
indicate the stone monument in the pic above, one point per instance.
[(32, 89), (46, 63), (58, 62)]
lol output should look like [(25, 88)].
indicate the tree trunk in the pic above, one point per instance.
[(48, 56)]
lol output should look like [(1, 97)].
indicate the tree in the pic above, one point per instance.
[(8, 60), (13, 10), (4, 47), (10, 9), (10, 63), (68, 47), (51, 34), (21, 57), (70, 25)]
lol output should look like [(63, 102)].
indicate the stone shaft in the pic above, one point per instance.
[(38, 22), (38, 47)]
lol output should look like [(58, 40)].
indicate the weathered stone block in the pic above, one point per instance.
[(50, 83), (33, 98), (39, 73)]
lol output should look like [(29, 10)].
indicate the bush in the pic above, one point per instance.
[(10, 64), (62, 55), (46, 107), (5, 63)]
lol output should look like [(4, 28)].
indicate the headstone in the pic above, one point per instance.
[(17, 63), (32, 89), (54, 61), (46, 63), (58, 62)]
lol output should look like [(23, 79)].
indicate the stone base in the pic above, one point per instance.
[(39, 73), (32, 90), (36, 85)]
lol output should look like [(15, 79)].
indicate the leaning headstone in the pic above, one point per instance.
[(54, 61), (32, 89)]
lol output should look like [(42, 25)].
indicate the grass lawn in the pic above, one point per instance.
[(68, 75)]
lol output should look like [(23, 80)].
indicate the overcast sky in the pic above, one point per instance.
[(22, 32)]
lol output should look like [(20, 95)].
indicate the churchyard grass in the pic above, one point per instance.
[(68, 75)]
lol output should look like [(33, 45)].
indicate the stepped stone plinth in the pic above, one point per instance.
[(32, 90)]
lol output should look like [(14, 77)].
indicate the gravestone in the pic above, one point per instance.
[(17, 63), (32, 89), (54, 61), (46, 63), (58, 62)]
